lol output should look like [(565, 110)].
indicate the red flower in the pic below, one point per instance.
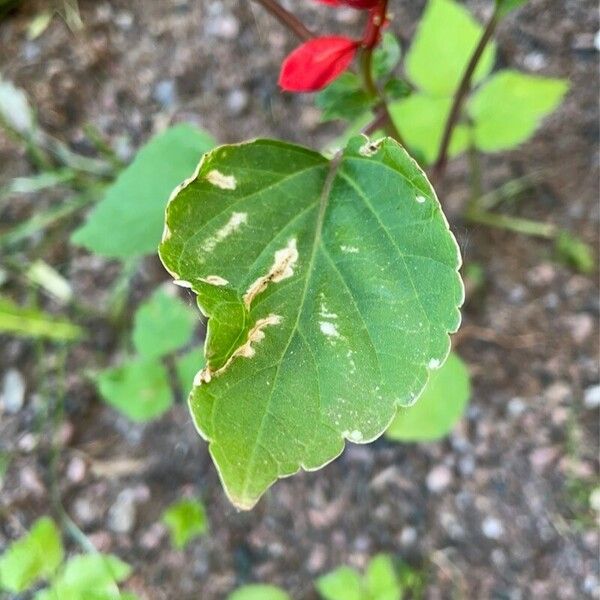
[(316, 63), (358, 4)]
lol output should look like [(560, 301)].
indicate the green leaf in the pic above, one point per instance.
[(257, 591), (386, 56), (35, 556), (508, 108), (381, 580), (344, 583), (138, 388), (330, 288), (575, 253), (421, 120), (396, 88), (88, 577), (162, 324), (186, 520), (343, 99), (441, 405), (506, 6), (128, 221), (188, 366), (31, 322), (443, 46)]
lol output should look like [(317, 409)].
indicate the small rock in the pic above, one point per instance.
[(13, 391), (535, 61), (121, 515), (558, 392), (438, 479), (101, 540), (466, 465), (492, 528), (225, 27), (580, 326), (591, 397), (165, 93), (237, 102), (317, 558), (541, 458), (151, 538), (84, 511), (516, 407), (408, 536), (542, 275), (124, 20), (76, 470), (30, 481)]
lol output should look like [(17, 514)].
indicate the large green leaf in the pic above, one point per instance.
[(508, 108), (421, 120), (441, 405), (129, 220), (330, 288), (36, 555), (442, 47)]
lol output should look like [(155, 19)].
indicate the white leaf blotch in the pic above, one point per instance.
[(215, 280), (283, 267), (225, 182), (420, 199), (434, 363), (349, 249), (329, 329), (236, 220)]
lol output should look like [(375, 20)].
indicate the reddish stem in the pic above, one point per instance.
[(287, 18)]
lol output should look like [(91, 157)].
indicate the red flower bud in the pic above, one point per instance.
[(316, 63)]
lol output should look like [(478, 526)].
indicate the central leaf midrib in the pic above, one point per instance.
[(327, 185)]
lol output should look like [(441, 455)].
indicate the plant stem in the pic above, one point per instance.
[(461, 93), (366, 67), (516, 224), (285, 17)]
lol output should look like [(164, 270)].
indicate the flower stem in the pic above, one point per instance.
[(463, 89), (284, 16)]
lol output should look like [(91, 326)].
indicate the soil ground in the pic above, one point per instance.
[(500, 509)]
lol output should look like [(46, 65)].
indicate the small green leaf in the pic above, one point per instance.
[(35, 556), (162, 324), (343, 99), (421, 120), (186, 520), (386, 56), (508, 108), (443, 46), (138, 388), (188, 366), (330, 287), (395, 89), (128, 221), (88, 577), (258, 591), (31, 322), (575, 252), (506, 6), (344, 583), (381, 580), (440, 406)]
